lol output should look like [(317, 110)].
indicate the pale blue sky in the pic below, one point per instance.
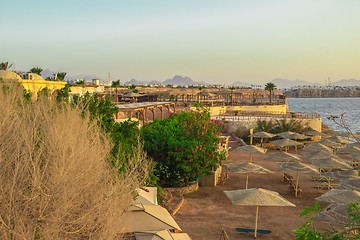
[(214, 41)]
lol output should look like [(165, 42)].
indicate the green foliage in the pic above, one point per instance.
[(27, 94), (5, 65), (270, 87), (60, 76), (133, 88), (45, 92), (264, 126), (36, 70), (82, 82), (349, 231), (63, 94), (116, 84), (291, 125), (185, 146)]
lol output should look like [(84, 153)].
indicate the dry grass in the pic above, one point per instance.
[(55, 182)]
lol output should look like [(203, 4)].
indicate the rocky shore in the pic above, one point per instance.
[(320, 93)]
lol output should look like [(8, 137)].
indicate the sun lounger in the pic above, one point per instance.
[(287, 178), (321, 179), (325, 185), (249, 230)]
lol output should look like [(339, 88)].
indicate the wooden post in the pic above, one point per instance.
[(297, 184), (256, 219), (144, 115), (247, 180)]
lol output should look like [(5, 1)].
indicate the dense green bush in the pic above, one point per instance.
[(183, 147)]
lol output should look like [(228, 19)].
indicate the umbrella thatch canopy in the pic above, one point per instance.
[(316, 147), (285, 134), (297, 136), (147, 196), (297, 167), (334, 213), (351, 149), (318, 154), (355, 144), (285, 143), (148, 218), (257, 197), (353, 183), (330, 163), (338, 139), (331, 132), (161, 235), (354, 156), (283, 157), (262, 135), (314, 133), (246, 168), (340, 196), (341, 175), (328, 143), (251, 149)]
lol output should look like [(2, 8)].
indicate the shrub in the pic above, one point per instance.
[(183, 147), (56, 181)]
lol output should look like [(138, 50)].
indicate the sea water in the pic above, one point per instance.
[(330, 107)]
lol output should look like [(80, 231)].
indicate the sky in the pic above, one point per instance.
[(218, 42)]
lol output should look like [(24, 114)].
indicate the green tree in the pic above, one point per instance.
[(5, 66), (349, 231), (184, 147), (291, 125), (133, 88), (63, 94), (60, 76), (36, 70), (264, 126), (270, 87)]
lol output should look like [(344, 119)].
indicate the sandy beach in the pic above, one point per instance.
[(207, 210)]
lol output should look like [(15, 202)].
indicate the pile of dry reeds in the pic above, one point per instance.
[(55, 182)]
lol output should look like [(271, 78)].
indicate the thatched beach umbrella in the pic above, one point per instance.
[(351, 149), (262, 135), (251, 149), (334, 213), (147, 196), (297, 167), (338, 139), (330, 163), (285, 143), (318, 154), (353, 183), (297, 136), (328, 143), (341, 175), (257, 197), (331, 132), (283, 157), (246, 168), (316, 147), (285, 134), (314, 133), (340, 196)]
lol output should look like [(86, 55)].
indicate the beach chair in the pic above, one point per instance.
[(250, 230), (324, 185), (321, 179)]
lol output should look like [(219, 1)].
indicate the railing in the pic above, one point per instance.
[(245, 115)]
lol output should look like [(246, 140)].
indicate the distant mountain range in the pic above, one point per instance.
[(280, 83)]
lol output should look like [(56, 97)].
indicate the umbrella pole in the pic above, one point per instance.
[(297, 184), (256, 219), (329, 181), (250, 157), (247, 180)]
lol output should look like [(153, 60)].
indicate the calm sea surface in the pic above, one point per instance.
[(330, 106)]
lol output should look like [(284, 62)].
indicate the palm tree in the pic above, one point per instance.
[(5, 65), (232, 88), (60, 76), (36, 70), (200, 89), (133, 88), (270, 87), (115, 85), (292, 125), (264, 126)]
